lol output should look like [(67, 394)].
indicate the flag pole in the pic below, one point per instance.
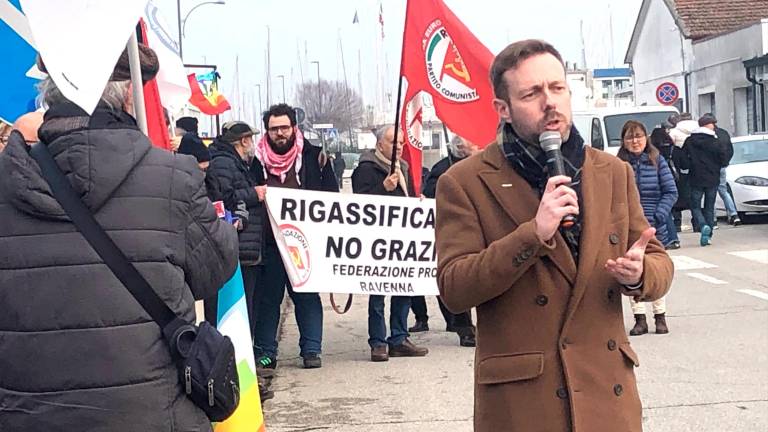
[(139, 109), (399, 95)]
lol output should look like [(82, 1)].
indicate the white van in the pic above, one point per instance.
[(601, 127)]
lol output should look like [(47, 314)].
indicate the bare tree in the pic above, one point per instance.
[(341, 106)]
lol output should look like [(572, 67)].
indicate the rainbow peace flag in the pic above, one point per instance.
[(233, 322), (205, 94)]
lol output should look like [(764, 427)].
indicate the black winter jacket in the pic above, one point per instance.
[(429, 188), (704, 156), (724, 139), (229, 179), (77, 352), (369, 176), (316, 174)]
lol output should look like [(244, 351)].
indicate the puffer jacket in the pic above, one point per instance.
[(704, 156), (229, 179), (77, 352), (657, 189)]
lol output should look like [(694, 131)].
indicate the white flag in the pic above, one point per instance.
[(80, 41), (172, 79)]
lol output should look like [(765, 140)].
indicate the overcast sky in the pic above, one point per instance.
[(218, 33)]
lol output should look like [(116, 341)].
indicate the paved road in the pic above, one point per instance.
[(709, 374)]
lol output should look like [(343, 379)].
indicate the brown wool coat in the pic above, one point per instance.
[(552, 353)]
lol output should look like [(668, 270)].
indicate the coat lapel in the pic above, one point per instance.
[(520, 202), (596, 195)]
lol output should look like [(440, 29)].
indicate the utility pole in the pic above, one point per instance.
[(269, 69), (319, 102), (282, 78), (178, 16), (583, 46), (261, 110)]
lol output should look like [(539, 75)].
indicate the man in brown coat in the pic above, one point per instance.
[(552, 354)]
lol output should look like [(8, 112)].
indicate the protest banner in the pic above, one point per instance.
[(357, 244)]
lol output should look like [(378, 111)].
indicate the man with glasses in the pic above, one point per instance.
[(285, 159)]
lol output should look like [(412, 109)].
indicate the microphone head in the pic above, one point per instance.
[(550, 140)]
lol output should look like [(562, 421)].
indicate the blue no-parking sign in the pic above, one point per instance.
[(667, 93)]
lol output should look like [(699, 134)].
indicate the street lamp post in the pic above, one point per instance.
[(282, 78), (183, 22), (261, 112), (319, 102)]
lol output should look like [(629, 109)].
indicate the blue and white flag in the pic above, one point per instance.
[(19, 73)]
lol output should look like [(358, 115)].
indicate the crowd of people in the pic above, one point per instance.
[(158, 207)]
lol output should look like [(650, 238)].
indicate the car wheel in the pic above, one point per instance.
[(745, 218)]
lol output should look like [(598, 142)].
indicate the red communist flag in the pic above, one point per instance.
[(443, 58), (157, 130)]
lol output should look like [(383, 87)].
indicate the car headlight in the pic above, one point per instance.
[(752, 181)]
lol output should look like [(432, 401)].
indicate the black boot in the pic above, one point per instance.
[(265, 393), (466, 336), (641, 326), (420, 326), (661, 324)]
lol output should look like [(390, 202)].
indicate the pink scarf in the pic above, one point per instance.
[(277, 164)]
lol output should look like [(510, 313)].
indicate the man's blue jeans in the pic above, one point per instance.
[(398, 320), (268, 282), (671, 230), (722, 190), (707, 216)]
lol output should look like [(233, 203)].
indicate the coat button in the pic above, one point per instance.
[(562, 393), (613, 238), (618, 389), (611, 293), (527, 253), (612, 345), (542, 300)]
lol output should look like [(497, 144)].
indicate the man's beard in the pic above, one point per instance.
[(284, 148)]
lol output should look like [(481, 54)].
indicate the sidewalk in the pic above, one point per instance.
[(350, 393)]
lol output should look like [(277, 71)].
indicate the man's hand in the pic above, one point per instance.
[(391, 182), (261, 192), (558, 201), (175, 143), (628, 270)]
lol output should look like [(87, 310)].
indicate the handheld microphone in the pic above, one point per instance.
[(550, 142)]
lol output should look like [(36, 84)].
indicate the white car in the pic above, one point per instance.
[(747, 175), (601, 127)]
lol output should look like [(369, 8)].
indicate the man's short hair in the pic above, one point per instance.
[(707, 118), (277, 111), (512, 56), (673, 119), (454, 144), (382, 131)]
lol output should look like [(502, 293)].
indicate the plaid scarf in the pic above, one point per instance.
[(530, 162), (276, 164)]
